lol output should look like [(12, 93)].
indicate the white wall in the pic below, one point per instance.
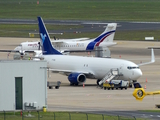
[(34, 82)]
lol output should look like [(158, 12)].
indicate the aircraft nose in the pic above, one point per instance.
[(17, 48), (138, 74)]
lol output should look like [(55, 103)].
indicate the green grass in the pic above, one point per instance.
[(61, 116), (137, 35), (107, 10), (150, 111), (21, 30), (117, 10)]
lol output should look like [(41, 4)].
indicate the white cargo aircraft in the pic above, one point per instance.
[(78, 68), (76, 45)]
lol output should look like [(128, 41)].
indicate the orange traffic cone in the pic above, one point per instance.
[(83, 85), (146, 79), (145, 87)]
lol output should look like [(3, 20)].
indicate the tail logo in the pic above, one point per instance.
[(43, 37), (98, 40)]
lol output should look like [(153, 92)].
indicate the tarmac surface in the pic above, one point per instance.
[(89, 98)]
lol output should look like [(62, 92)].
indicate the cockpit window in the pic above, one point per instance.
[(20, 45), (132, 68)]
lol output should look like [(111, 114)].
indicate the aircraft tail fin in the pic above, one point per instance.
[(47, 47), (108, 34)]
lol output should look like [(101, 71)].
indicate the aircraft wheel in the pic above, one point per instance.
[(71, 84), (130, 85), (56, 87), (98, 81), (76, 84)]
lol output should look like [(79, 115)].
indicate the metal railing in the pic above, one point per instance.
[(39, 115)]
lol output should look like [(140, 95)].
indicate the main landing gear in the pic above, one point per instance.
[(98, 81)]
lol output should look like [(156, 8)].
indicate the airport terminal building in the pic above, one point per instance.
[(23, 85)]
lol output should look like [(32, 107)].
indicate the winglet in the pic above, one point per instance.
[(152, 59)]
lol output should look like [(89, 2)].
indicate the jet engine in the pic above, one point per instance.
[(76, 78)]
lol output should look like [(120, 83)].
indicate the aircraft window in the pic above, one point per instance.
[(129, 68), (133, 68)]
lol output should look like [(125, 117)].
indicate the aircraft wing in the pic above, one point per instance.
[(152, 59), (29, 51), (69, 71)]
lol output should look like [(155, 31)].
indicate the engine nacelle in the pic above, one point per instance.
[(77, 78)]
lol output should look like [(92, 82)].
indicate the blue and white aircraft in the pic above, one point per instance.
[(75, 45), (78, 68)]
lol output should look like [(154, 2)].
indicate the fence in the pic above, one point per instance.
[(39, 115)]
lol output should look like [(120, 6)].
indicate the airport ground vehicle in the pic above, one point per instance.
[(116, 84), (50, 85)]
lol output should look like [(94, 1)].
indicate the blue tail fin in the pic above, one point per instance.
[(45, 39)]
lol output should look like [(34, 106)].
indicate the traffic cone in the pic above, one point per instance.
[(83, 85), (145, 87), (146, 79)]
